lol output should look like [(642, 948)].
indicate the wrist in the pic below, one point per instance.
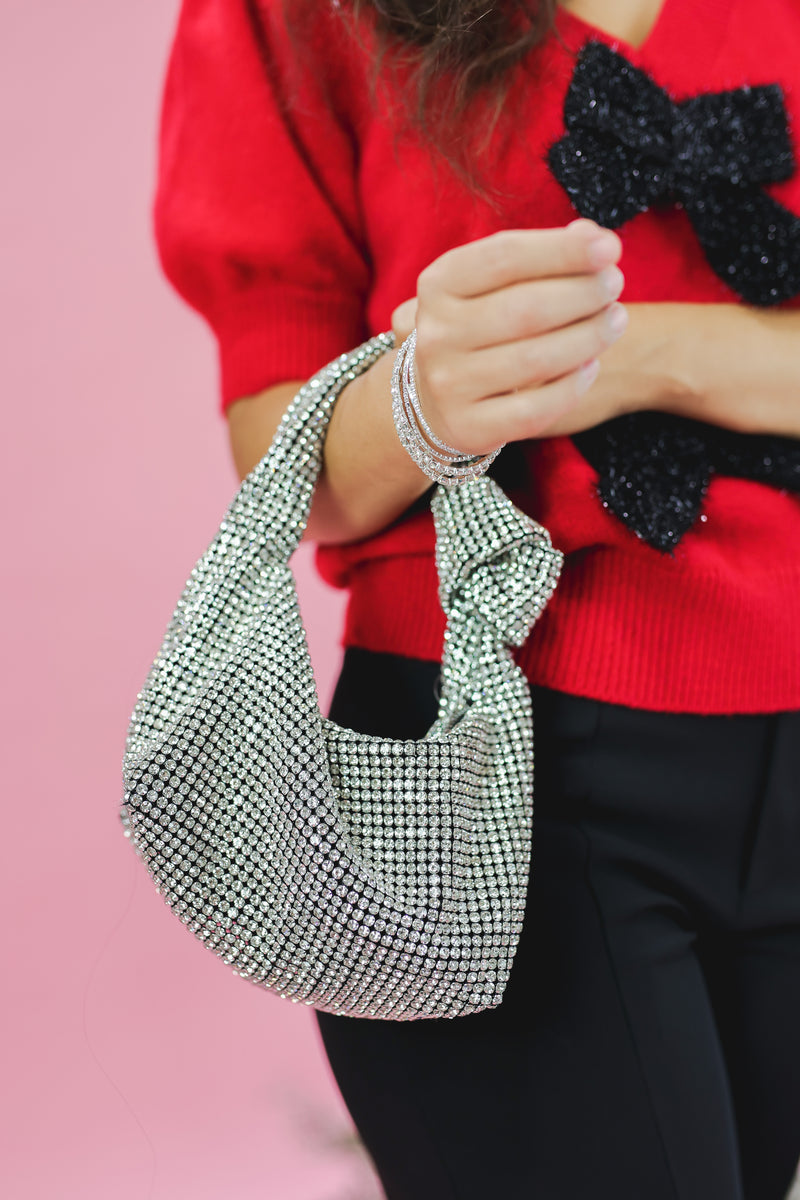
[(441, 462), (367, 479), (662, 350)]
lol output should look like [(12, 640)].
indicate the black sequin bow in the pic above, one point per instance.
[(628, 148), (654, 468)]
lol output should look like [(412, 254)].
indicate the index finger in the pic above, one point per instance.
[(514, 255)]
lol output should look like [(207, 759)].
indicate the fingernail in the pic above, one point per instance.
[(611, 281), (603, 250), (617, 319), (587, 375), (584, 223)]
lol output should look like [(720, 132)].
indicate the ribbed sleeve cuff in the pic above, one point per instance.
[(271, 336)]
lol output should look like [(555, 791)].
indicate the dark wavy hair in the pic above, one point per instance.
[(454, 55)]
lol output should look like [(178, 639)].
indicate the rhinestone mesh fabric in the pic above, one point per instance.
[(364, 876)]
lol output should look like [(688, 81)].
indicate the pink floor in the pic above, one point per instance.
[(135, 1065)]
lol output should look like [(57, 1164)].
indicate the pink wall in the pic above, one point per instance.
[(136, 1066)]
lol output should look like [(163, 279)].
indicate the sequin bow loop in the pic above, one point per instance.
[(630, 147)]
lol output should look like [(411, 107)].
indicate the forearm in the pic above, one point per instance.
[(367, 480), (740, 368), (725, 364)]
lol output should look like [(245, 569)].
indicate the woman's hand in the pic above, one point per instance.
[(509, 332), (529, 310)]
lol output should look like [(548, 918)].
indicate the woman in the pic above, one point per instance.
[(647, 1044)]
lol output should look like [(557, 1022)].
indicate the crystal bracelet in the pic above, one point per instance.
[(439, 461)]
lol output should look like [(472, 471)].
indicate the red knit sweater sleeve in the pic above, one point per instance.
[(256, 211)]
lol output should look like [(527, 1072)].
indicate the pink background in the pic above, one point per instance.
[(135, 1064)]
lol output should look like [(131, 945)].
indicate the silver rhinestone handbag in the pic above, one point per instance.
[(361, 875)]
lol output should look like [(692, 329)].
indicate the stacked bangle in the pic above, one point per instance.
[(440, 462)]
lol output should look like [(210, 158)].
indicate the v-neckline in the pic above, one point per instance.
[(694, 25)]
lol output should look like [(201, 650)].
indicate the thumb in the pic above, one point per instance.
[(404, 318)]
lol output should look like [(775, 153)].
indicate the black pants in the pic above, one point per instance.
[(648, 1044)]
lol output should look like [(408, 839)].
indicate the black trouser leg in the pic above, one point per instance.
[(647, 1044)]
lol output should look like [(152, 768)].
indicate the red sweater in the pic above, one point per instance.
[(287, 222)]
